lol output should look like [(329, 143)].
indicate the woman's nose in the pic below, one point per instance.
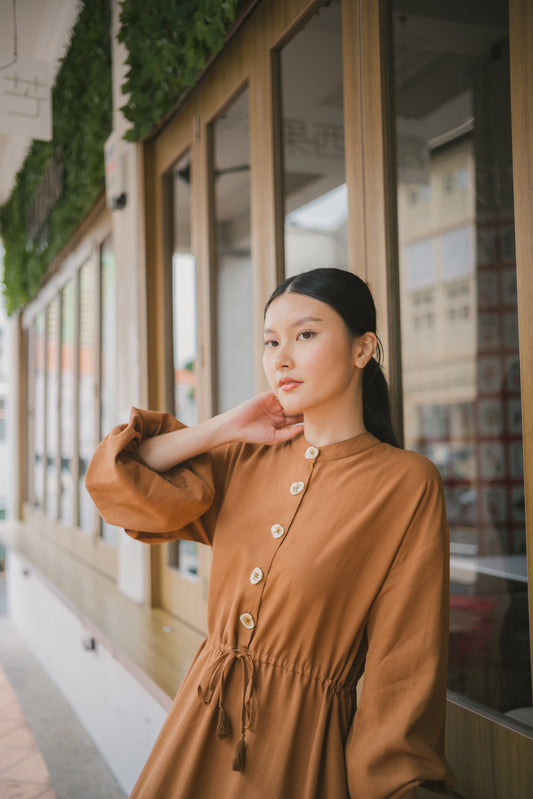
[(283, 358)]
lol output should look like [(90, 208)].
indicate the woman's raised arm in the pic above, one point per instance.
[(260, 420)]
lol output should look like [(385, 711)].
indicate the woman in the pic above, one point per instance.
[(330, 558)]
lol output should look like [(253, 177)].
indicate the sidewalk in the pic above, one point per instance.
[(45, 753)]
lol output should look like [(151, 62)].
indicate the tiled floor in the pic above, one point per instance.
[(23, 772)]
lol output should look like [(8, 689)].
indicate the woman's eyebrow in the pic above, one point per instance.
[(298, 322), (306, 319)]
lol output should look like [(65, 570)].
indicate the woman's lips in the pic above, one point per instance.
[(288, 385)]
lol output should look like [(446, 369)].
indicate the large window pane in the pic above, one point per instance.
[(39, 351), (183, 555), (68, 411), (87, 387), (233, 283), (459, 326), (183, 297), (108, 340), (52, 409), (108, 357), (315, 196)]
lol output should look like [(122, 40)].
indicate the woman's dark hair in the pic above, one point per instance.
[(350, 297)]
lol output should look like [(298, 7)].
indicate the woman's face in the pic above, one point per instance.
[(311, 361)]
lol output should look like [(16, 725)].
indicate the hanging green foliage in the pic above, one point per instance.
[(168, 44), (82, 119)]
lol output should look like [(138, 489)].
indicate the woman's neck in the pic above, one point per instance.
[(321, 430)]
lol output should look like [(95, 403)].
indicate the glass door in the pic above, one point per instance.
[(459, 330)]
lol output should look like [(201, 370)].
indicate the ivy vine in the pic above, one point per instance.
[(82, 119), (168, 43)]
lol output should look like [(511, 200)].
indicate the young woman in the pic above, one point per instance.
[(330, 559)]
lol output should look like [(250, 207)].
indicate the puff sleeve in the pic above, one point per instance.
[(154, 507), (396, 740)]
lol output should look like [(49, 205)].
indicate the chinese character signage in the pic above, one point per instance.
[(25, 99)]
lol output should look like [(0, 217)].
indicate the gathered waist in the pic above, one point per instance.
[(223, 659), (333, 683)]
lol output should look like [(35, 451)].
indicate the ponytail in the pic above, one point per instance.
[(376, 405)]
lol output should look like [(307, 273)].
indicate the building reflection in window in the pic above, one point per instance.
[(234, 333), (183, 555), (459, 327), (315, 195), (68, 400), (87, 387), (183, 298), (39, 398), (108, 357)]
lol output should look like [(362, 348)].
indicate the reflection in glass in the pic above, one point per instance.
[(315, 195), (108, 357), (183, 298), (459, 327), (68, 414), (52, 409), (233, 284), (87, 387), (39, 410), (183, 555)]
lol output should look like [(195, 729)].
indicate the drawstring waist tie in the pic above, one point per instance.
[(218, 674)]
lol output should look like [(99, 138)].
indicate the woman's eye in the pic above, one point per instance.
[(306, 335), (271, 343)]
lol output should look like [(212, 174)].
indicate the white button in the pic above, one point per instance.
[(311, 452), (256, 576), (297, 488), (247, 621), (277, 530)]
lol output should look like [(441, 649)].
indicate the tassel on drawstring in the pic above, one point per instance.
[(224, 729), (218, 673), (240, 756)]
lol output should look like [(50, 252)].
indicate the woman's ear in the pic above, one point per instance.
[(363, 349)]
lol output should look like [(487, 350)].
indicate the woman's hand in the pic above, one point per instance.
[(262, 420)]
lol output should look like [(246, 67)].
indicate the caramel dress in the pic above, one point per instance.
[(326, 562)]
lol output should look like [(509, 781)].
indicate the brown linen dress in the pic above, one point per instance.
[(325, 562)]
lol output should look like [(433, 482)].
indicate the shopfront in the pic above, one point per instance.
[(389, 139), (393, 139)]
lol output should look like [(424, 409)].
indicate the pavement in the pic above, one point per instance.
[(45, 753)]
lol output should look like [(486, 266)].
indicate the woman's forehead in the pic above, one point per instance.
[(289, 307)]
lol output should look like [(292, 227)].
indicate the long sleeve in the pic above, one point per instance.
[(150, 506), (397, 736)]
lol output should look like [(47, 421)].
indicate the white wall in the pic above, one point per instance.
[(121, 716)]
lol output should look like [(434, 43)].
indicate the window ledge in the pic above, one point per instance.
[(154, 646)]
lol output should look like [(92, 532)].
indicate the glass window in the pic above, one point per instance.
[(52, 407), (234, 334), (183, 555), (87, 387), (315, 195), (108, 340), (183, 297), (39, 395), (108, 357), (68, 413), (460, 353)]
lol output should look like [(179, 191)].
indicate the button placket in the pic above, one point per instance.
[(297, 488)]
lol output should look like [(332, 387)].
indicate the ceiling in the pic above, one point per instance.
[(43, 34)]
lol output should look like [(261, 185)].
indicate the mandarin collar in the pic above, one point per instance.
[(339, 449)]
